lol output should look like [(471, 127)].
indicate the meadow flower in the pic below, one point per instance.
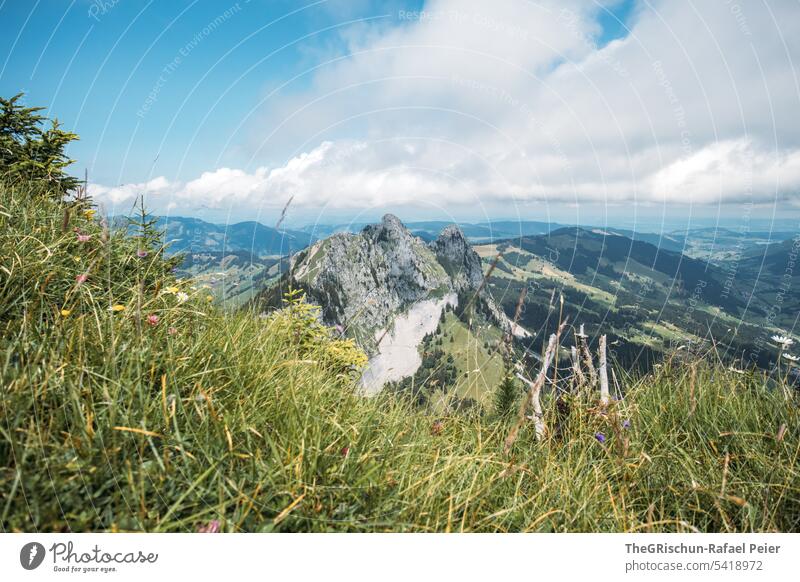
[(791, 358), (626, 423), (89, 214), (117, 307), (209, 298), (181, 296), (84, 237), (171, 290), (141, 253), (172, 330), (65, 312), (152, 320), (735, 371), (782, 340), (81, 278), (345, 451), (211, 527), (601, 438)]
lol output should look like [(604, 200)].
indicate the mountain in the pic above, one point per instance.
[(768, 278), (397, 295), (231, 261), (233, 277), (192, 234), (646, 298)]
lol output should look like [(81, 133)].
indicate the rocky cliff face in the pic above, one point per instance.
[(364, 281), (455, 255)]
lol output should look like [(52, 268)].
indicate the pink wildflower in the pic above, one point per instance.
[(152, 320), (81, 278), (211, 527), (84, 237)]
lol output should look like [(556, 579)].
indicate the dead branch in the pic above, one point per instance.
[(605, 398), (534, 397)]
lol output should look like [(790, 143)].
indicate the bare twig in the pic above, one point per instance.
[(283, 212)]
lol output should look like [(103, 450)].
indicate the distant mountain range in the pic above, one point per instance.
[(646, 297), (192, 234), (646, 291)]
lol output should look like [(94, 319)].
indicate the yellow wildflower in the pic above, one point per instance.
[(172, 290), (209, 298), (89, 214), (117, 307), (65, 312)]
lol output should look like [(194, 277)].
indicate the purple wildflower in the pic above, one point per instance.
[(601, 438), (626, 423), (141, 253)]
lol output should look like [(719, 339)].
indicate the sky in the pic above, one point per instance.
[(594, 112)]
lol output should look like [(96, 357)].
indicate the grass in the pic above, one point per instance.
[(108, 423), (470, 355)]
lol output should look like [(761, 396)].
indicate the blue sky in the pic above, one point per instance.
[(356, 106), (93, 64)]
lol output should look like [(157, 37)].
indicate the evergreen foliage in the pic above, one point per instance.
[(31, 153)]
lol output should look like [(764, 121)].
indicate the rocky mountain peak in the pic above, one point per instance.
[(389, 230), (458, 259), (364, 281)]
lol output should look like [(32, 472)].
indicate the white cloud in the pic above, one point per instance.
[(730, 171), (475, 104), (126, 194)]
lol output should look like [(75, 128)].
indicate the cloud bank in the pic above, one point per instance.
[(472, 103)]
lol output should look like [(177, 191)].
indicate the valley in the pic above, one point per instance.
[(649, 293)]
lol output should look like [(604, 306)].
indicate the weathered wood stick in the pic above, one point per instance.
[(577, 371), (534, 397), (583, 349), (605, 398)]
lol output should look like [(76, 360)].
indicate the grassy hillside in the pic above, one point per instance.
[(129, 402), (647, 299)]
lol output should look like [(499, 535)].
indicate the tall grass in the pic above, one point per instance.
[(111, 423)]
